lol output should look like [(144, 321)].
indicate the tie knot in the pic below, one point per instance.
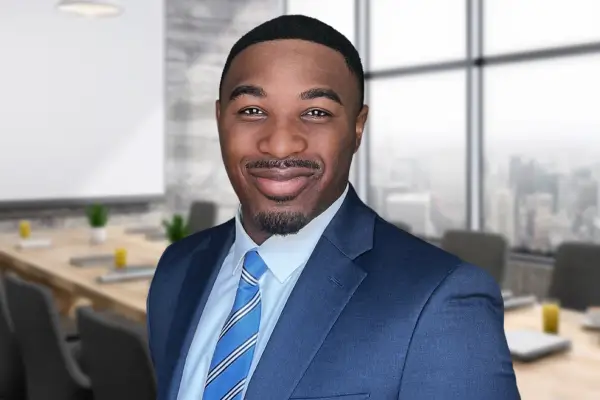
[(254, 267)]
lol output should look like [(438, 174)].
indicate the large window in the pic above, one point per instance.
[(520, 155), (522, 25), (417, 145), (415, 32), (417, 125), (543, 151)]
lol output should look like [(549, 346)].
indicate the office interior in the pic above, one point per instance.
[(483, 138)]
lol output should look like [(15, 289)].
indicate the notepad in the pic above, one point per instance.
[(34, 243), (527, 345), (518, 302), (143, 230), (156, 236), (127, 274), (92, 261)]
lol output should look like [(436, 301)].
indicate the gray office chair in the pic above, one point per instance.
[(52, 372), (115, 351), (202, 215), (576, 276), (488, 251), (12, 371)]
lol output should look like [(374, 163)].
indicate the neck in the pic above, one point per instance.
[(255, 233)]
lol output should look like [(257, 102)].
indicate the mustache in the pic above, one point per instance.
[(282, 164)]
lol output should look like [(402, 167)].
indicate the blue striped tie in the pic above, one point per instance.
[(232, 358)]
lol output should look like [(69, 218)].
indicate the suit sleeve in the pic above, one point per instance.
[(458, 349)]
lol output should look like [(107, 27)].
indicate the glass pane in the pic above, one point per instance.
[(417, 150), (409, 32), (337, 13), (543, 152), (517, 25)]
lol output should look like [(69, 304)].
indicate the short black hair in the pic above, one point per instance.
[(303, 28)]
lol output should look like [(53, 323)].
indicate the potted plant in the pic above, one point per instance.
[(97, 215), (176, 229)]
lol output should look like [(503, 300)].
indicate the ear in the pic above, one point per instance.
[(361, 121), (218, 109)]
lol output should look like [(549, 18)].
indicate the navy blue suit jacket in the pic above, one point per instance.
[(376, 314)]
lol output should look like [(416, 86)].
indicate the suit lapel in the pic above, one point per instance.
[(202, 271), (327, 283)]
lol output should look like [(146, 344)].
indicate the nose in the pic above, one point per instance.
[(283, 140)]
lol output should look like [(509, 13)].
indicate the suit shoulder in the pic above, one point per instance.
[(393, 243), (409, 257), (470, 280), (401, 263)]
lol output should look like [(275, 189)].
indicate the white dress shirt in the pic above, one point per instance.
[(285, 257)]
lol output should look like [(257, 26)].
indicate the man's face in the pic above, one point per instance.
[(289, 123)]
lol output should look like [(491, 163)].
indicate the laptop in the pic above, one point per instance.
[(528, 345)]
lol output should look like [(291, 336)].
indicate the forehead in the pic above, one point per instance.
[(293, 63)]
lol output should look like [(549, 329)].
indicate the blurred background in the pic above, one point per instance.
[(483, 136)]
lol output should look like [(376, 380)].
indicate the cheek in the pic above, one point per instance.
[(235, 146), (336, 152)]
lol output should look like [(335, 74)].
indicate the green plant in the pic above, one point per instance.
[(176, 229), (97, 215)]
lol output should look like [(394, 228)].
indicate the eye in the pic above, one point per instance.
[(252, 111), (315, 113)]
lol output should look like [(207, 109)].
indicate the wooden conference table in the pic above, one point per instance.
[(568, 376), (71, 284)]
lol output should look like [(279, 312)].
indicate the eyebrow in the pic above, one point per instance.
[(316, 93), (310, 94), (248, 90)]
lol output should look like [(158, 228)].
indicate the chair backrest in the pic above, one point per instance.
[(203, 215), (576, 276), (115, 352), (51, 371), (12, 371), (488, 251)]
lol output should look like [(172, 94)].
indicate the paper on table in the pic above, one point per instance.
[(93, 260), (34, 243), (517, 302), (126, 275), (507, 294), (156, 236), (143, 230), (591, 319)]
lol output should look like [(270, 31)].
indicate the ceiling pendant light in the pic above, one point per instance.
[(91, 8)]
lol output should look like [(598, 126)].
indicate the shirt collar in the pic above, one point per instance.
[(284, 254)]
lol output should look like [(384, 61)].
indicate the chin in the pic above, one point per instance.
[(278, 221), (281, 216), (282, 206)]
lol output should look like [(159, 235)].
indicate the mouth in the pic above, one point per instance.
[(286, 183)]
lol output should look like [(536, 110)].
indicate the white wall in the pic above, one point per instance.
[(81, 102)]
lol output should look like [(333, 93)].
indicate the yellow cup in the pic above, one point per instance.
[(120, 258), (551, 316), (24, 229)]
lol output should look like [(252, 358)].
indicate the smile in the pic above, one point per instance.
[(282, 183)]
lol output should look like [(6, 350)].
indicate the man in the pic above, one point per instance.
[(307, 293)]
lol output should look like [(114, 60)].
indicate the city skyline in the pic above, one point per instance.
[(533, 206)]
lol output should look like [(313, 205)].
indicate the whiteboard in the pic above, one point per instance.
[(81, 103)]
